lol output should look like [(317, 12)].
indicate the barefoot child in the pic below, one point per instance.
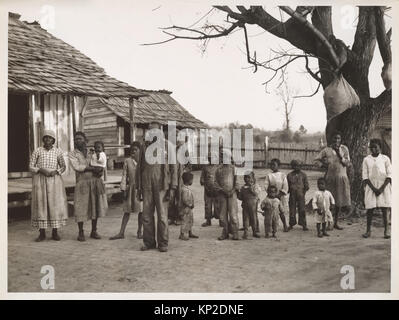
[(279, 180), (272, 209), (323, 203), (186, 208), (297, 187), (249, 195), (376, 174), (131, 203)]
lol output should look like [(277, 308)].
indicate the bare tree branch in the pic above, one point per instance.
[(311, 95), (314, 76), (203, 36), (383, 38), (315, 31), (250, 61)]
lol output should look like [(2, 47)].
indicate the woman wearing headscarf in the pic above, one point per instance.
[(90, 199), (49, 203), (335, 159)]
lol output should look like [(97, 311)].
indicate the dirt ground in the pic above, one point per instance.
[(297, 261)]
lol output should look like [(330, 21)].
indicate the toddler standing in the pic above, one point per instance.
[(186, 208), (322, 202), (272, 209)]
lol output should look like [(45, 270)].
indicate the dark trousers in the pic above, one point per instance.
[(228, 213), (297, 200), (154, 199), (211, 206), (249, 215)]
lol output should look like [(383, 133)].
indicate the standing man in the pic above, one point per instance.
[(156, 183), (207, 180), (174, 202), (226, 186)]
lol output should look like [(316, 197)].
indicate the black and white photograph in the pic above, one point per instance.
[(188, 147)]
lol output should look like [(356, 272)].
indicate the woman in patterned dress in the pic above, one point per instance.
[(90, 199), (49, 203), (336, 159)]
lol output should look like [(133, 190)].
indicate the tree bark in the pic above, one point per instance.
[(356, 125)]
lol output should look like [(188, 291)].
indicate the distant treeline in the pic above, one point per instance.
[(299, 136)]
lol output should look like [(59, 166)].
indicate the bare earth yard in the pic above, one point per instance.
[(296, 262)]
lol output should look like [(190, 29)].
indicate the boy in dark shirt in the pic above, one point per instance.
[(297, 187)]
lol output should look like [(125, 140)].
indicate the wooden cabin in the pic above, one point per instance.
[(109, 120), (49, 83), (383, 131)]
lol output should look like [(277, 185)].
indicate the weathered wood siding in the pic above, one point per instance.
[(57, 112), (99, 123)]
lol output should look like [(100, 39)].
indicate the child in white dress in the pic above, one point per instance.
[(323, 202), (377, 175)]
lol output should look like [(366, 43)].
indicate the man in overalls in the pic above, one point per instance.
[(156, 183)]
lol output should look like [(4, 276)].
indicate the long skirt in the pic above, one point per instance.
[(90, 199), (49, 206), (340, 189)]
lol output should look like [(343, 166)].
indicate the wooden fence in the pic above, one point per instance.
[(285, 152)]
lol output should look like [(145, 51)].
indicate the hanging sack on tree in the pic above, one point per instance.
[(386, 75), (339, 96)]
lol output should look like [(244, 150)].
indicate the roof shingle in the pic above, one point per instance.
[(40, 62)]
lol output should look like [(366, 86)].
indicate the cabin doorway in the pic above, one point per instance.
[(18, 132)]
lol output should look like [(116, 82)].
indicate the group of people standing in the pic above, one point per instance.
[(286, 193), (165, 188)]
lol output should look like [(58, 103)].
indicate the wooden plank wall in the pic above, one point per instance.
[(99, 123)]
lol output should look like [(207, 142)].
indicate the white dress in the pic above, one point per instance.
[(377, 169), (323, 200)]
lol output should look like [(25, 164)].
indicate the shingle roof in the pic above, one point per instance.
[(40, 62), (157, 105)]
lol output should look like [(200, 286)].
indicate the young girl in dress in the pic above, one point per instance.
[(131, 203), (377, 175), (279, 180)]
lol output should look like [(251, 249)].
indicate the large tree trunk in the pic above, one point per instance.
[(356, 125)]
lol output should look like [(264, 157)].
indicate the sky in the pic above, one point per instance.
[(217, 86)]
